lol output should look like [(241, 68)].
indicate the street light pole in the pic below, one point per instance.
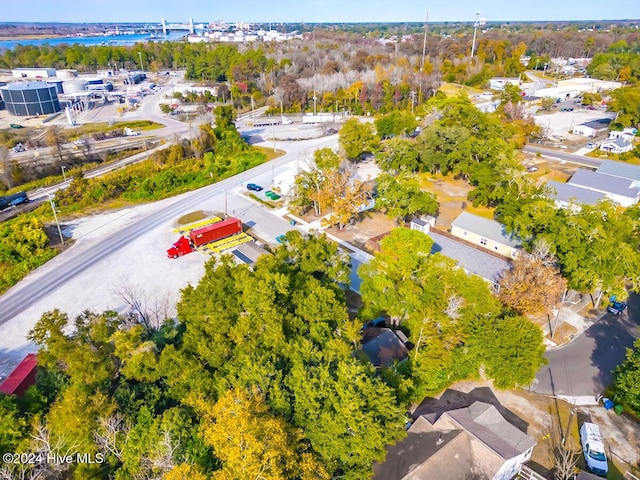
[(63, 174), (475, 30), (141, 65), (55, 216)]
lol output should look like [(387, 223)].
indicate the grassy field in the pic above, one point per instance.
[(453, 89), (268, 151), (103, 127)]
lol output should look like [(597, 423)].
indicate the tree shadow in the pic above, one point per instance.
[(613, 335)]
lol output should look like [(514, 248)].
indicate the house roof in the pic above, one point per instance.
[(15, 381), (382, 346), (417, 448), (620, 169), (483, 421), (619, 141), (597, 124), (604, 183), (486, 228), (565, 192), (469, 258)]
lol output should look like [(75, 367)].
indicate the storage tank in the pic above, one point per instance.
[(30, 98), (75, 85), (57, 84), (66, 74)]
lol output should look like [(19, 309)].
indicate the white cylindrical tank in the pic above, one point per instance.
[(75, 85), (66, 74)]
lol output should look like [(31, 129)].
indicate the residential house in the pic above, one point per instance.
[(622, 191), (616, 145), (621, 170), (383, 346), (628, 134), (457, 443), (485, 233), (592, 128), (566, 195), (472, 260), (498, 83)]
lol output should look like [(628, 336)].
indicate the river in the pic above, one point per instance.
[(119, 40)]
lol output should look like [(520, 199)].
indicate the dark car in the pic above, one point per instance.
[(254, 187), (617, 307), (379, 322)]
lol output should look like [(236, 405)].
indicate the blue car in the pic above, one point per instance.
[(281, 238), (617, 307), (254, 187)]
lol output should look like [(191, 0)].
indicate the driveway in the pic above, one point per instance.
[(584, 367)]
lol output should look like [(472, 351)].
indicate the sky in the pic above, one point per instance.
[(313, 10)]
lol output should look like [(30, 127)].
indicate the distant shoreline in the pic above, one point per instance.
[(4, 38)]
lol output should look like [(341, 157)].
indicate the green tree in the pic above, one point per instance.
[(401, 197), (627, 379), (395, 123), (357, 138)]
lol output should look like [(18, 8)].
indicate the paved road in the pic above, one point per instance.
[(73, 261), (584, 367), (563, 156)]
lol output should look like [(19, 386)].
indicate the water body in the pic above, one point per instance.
[(114, 40)]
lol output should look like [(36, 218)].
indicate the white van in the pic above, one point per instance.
[(593, 449)]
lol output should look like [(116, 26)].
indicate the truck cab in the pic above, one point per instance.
[(593, 449), (181, 247)]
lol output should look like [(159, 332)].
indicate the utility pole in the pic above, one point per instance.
[(141, 66), (55, 216), (315, 98), (475, 30)]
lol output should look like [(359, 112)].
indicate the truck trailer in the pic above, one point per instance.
[(207, 234)]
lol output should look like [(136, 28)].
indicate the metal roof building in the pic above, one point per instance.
[(620, 169), (620, 190), (566, 194)]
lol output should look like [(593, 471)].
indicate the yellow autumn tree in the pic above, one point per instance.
[(532, 287), (252, 443)]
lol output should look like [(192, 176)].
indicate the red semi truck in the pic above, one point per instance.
[(201, 236)]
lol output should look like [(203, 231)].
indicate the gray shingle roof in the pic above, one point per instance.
[(604, 183), (411, 453), (472, 260), (489, 229), (382, 346), (620, 169), (484, 422), (619, 141), (565, 192)]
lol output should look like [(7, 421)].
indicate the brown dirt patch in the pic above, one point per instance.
[(372, 225), (563, 334)]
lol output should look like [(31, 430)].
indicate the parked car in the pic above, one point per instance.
[(16, 125), (281, 239), (532, 169), (566, 109), (379, 322), (19, 148), (331, 131), (80, 142), (254, 187), (591, 107), (617, 307), (591, 145)]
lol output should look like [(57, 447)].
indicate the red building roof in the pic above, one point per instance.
[(22, 377)]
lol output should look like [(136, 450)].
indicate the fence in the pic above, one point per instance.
[(527, 474)]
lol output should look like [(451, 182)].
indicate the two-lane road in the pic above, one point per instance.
[(584, 367), (46, 280)]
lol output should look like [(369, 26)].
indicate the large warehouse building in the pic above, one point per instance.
[(30, 98)]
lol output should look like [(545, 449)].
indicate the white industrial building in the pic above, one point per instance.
[(33, 72), (576, 87)]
